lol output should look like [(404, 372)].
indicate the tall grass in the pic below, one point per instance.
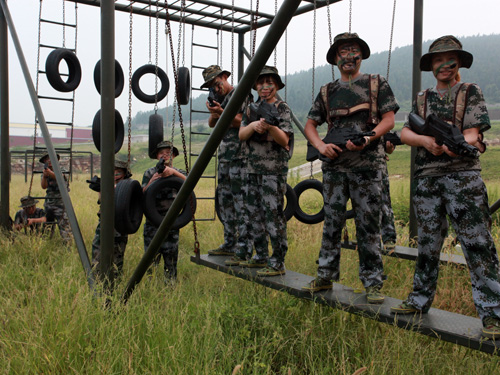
[(210, 322)]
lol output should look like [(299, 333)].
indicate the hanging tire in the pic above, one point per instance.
[(184, 86), (151, 210), (119, 131), (155, 134), (128, 206), (119, 78), (162, 76), (53, 74), (291, 202), (300, 215)]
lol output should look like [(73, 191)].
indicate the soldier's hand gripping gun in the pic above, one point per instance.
[(338, 137), (212, 97), (94, 184), (160, 166), (268, 112), (443, 133), (393, 137)]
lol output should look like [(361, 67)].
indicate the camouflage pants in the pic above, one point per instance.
[(364, 190), (387, 227), (230, 197), (119, 245), (463, 197), (169, 249), (265, 203), (61, 217)]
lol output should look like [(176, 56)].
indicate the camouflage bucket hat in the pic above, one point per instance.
[(27, 201), (165, 144), (123, 165), (343, 38), (270, 71), (45, 156), (210, 73), (447, 43)]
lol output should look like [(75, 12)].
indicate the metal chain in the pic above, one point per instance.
[(275, 47), (130, 83), (390, 43), (73, 103), (330, 33), (156, 59), (313, 53), (221, 37), (64, 23), (232, 42), (254, 26), (183, 7), (149, 29), (350, 14), (286, 63), (183, 136)]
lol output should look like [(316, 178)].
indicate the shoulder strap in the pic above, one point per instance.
[(324, 95), (460, 101), (421, 100), (374, 86)]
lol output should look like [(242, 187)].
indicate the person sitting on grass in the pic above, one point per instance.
[(29, 216)]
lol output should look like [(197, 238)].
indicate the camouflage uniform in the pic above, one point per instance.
[(231, 180), (119, 245), (22, 218), (54, 203), (387, 228), (267, 166), (355, 175), (169, 248), (453, 186)]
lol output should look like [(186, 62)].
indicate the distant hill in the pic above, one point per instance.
[(485, 71)]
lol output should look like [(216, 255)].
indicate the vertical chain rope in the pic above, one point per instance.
[(130, 39), (73, 103), (232, 43), (276, 47), (390, 42), (64, 24), (156, 59), (286, 64), (313, 69), (149, 30), (350, 14), (330, 33)]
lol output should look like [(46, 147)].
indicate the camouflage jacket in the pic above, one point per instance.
[(230, 146), (269, 157), (348, 95), (53, 195), (165, 198), (475, 116), (22, 217)]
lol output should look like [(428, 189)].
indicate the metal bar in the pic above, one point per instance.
[(262, 54), (55, 47), (416, 86), (494, 207), (80, 244), (4, 124), (107, 138), (241, 61), (58, 23)]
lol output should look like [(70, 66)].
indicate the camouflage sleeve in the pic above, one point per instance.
[(318, 111), (386, 100), (286, 115), (18, 219), (476, 113), (246, 115), (245, 104), (147, 176)]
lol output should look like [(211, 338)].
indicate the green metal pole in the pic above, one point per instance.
[(107, 138), (255, 66), (4, 124), (80, 244), (416, 87)]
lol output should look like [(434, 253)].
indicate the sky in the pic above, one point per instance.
[(369, 18)]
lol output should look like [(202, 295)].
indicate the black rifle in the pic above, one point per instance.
[(443, 133), (212, 97), (338, 137), (94, 184), (160, 166), (392, 137), (268, 112)]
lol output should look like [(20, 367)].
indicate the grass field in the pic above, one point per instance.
[(51, 323)]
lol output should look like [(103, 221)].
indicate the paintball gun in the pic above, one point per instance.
[(338, 137), (443, 133), (160, 166), (212, 97), (393, 137), (268, 112), (94, 184)]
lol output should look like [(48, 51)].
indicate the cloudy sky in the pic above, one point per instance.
[(370, 19)]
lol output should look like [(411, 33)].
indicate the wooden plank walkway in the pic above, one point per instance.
[(447, 326)]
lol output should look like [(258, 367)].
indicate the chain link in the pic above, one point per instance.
[(286, 64), (156, 59), (73, 103), (390, 43), (275, 47), (221, 38), (149, 29), (232, 42), (350, 14), (64, 23), (313, 54), (254, 27), (130, 83), (330, 33)]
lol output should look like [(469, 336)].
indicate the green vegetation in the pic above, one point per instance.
[(210, 322)]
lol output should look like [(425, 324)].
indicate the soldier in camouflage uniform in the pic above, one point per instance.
[(387, 227), (122, 172), (268, 149), (231, 167), (53, 200), (356, 172), (169, 249), (447, 184), (29, 217)]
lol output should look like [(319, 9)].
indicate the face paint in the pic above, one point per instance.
[(451, 64), (266, 89)]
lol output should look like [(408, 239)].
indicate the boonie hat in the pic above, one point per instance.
[(210, 73), (343, 38), (27, 201), (46, 156), (270, 71), (447, 43), (162, 145), (123, 165)]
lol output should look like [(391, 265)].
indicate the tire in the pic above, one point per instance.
[(291, 202), (53, 74), (151, 210), (128, 206), (300, 215), (119, 131), (155, 133), (119, 78), (162, 76), (184, 86)]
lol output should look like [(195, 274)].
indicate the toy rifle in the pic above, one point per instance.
[(268, 112), (95, 183), (160, 166), (212, 97), (393, 137), (338, 137), (443, 133)]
